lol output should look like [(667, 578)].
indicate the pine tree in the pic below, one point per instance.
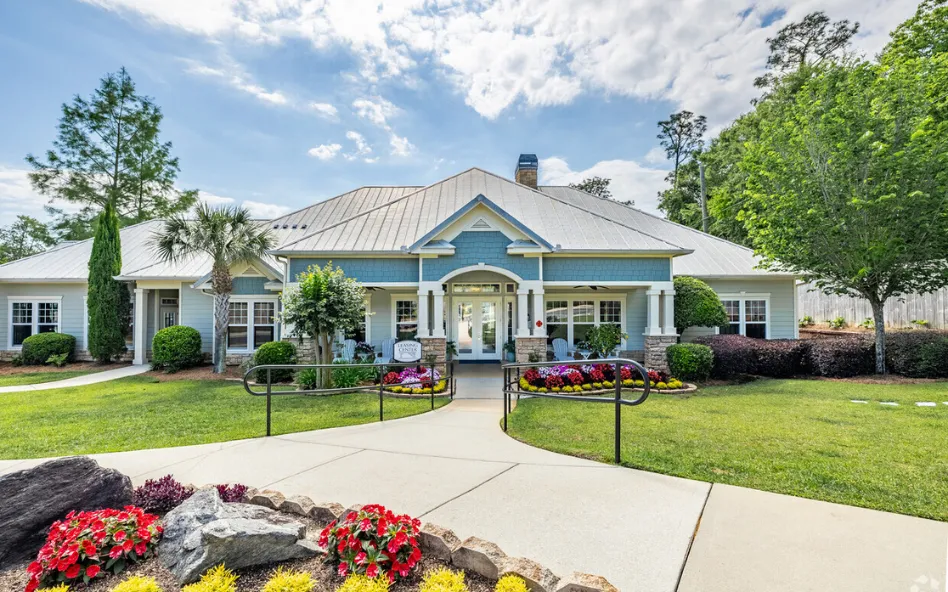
[(106, 295)]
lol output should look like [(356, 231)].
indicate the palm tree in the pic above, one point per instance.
[(229, 237)]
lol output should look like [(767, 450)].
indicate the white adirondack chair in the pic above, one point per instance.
[(388, 350), (348, 350), (559, 350)]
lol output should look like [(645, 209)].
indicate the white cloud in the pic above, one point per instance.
[(702, 57), (17, 197), (630, 180), (400, 146), (376, 110), (325, 109), (236, 78), (362, 147), (257, 209), (656, 155), (325, 151)]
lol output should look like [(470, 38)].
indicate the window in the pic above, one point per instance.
[(264, 323), (406, 319), (476, 288), (746, 316), (237, 325), (510, 320), (755, 318), (610, 311), (557, 320), (733, 310), (251, 323), (584, 318), (32, 317)]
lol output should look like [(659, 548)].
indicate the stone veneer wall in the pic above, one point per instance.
[(531, 345), (305, 349), (655, 346)]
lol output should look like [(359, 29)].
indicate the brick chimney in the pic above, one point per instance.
[(527, 167)]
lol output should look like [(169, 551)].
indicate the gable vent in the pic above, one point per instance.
[(481, 225)]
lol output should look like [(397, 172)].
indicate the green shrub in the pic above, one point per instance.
[(275, 352), (287, 580), (909, 353), (217, 579), (806, 321), (58, 360), (346, 377), (308, 379), (138, 584), (360, 583), (697, 305), (442, 579), (511, 583), (176, 348), (690, 361), (837, 323), (38, 348)]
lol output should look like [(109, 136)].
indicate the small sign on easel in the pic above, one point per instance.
[(407, 351)]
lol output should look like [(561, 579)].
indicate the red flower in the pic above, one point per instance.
[(116, 552), (372, 570), (32, 585), (343, 569), (141, 547), (73, 571), (34, 568), (383, 538), (360, 557), (119, 535), (88, 548), (92, 571)]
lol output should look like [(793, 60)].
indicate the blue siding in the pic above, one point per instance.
[(636, 318), (72, 313), (489, 248), (197, 310), (250, 285), (592, 269), (365, 270)]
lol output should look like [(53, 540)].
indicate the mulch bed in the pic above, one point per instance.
[(198, 373), (7, 368), (251, 579)]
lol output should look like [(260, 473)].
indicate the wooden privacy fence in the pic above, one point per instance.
[(931, 307)]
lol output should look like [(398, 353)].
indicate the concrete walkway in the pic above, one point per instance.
[(642, 531), (94, 378)]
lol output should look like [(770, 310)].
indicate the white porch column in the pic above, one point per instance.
[(438, 326), (654, 327), (423, 330), (140, 325), (668, 323), (523, 325), (538, 313)]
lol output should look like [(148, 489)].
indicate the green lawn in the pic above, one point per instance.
[(799, 437), (40, 376), (139, 412)]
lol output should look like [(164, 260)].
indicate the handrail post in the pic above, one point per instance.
[(268, 401), (381, 414), (618, 384)]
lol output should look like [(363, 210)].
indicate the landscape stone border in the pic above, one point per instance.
[(472, 554)]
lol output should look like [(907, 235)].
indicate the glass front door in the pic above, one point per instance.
[(476, 322)]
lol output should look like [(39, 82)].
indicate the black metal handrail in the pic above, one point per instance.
[(513, 388), (448, 376)]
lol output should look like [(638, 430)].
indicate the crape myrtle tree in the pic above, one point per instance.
[(697, 305), (848, 182), (325, 303), (228, 236)]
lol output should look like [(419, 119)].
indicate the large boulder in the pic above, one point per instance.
[(31, 500), (204, 532)]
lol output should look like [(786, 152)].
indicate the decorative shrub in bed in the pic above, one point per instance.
[(138, 584), (39, 348), (842, 358), (217, 579), (916, 353), (585, 378), (288, 580), (782, 358), (161, 495), (733, 354), (360, 583), (372, 541), (442, 579), (176, 348), (86, 544), (275, 352), (690, 361), (511, 583), (232, 494)]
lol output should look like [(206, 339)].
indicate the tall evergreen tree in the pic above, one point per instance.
[(108, 150), (106, 333), (27, 236), (809, 42), (681, 137)]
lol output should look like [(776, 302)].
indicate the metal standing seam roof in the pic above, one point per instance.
[(712, 257), (390, 227)]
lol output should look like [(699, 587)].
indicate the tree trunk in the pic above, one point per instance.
[(878, 317), (221, 318), (325, 357)]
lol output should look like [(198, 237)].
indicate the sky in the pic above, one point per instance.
[(278, 104)]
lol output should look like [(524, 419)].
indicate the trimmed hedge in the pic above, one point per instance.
[(783, 358), (37, 349), (176, 348), (733, 354), (777, 358), (914, 353), (690, 361), (843, 357), (275, 352)]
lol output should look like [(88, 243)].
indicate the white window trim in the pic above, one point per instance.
[(401, 298), (741, 297), (250, 299), (35, 316), (596, 298)]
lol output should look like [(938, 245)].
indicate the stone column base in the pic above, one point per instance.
[(531, 345), (437, 347), (655, 346), (306, 349)]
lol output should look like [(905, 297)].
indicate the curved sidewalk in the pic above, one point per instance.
[(455, 467), (94, 378)]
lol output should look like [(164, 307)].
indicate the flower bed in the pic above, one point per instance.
[(589, 379), (415, 380)]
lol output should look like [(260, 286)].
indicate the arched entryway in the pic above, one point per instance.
[(480, 312)]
